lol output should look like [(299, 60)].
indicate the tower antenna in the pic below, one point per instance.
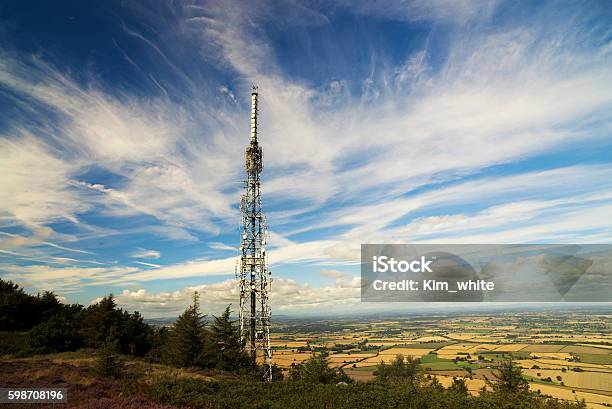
[(254, 276)]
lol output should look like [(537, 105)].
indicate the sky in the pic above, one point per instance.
[(123, 126)]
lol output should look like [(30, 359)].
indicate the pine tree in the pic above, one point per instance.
[(225, 348), (509, 379), (187, 339), (109, 363)]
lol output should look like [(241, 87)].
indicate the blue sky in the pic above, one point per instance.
[(123, 127)]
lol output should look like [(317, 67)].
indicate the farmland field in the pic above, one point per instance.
[(556, 357)]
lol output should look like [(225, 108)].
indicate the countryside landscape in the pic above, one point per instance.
[(539, 356), (306, 204), (565, 354)]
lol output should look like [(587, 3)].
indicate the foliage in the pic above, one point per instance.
[(459, 386), (317, 370), (224, 348), (401, 369), (508, 379), (56, 327), (249, 393), (61, 332), (187, 337), (108, 363), (20, 311)]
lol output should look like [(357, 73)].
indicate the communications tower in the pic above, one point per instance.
[(253, 275)]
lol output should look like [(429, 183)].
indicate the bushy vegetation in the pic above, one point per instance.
[(39, 324), (316, 370), (50, 326), (245, 393), (401, 369)]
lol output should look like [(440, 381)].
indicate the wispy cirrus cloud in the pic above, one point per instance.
[(144, 253), (477, 130)]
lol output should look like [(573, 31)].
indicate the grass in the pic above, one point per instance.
[(496, 356), (434, 363), (596, 359)]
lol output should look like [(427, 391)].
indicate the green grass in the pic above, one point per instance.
[(596, 359), (497, 356), (433, 363), (447, 366)]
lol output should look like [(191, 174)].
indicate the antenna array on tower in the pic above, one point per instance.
[(253, 274)]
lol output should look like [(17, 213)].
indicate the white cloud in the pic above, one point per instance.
[(498, 96), (144, 253), (147, 264), (287, 296)]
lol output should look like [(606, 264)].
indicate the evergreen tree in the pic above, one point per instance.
[(226, 350), (509, 379), (135, 338), (20, 311), (61, 332), (102, 320), (109, 363), (187, 339)]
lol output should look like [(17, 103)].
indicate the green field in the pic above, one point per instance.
[(433, 363), (596, 359)]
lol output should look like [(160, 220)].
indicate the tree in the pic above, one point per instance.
[(187, 337), (101, 320), (135, 338), (20, 311), (509, 379), (317, 370), (61, 332), (225, 349), (109, 364), (399, 370), (459, 386)]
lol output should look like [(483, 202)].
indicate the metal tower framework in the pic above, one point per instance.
[(254, 276)]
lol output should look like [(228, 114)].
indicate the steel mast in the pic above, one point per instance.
[(254, 280)]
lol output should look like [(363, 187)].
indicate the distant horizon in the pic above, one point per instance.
[(440, 311)]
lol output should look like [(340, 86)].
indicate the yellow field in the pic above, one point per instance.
[(552, 355), (543, 348), (588, 380), (462, 336), (284, 358), (458, 347), (578, 349), (354, 356), (414, 352), (473, 385), (557, 363), (287, 343), (485, 347), (484, 339), (599, 345), (431, 339), (511, 347), (594, 401), (452, 355)]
